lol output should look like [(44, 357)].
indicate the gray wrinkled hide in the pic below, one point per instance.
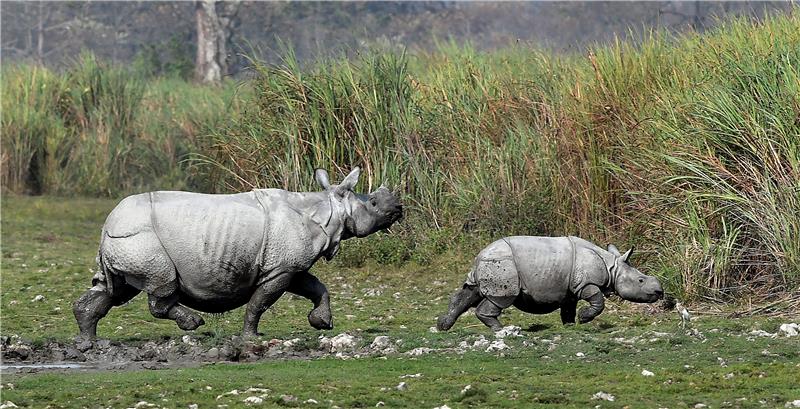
[(221, 246), (542, 274), (214, 253)]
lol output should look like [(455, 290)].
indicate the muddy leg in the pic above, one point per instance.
[(488, 312), (568, 309), (460, 302), (262, 299), (95, 303), (594, 296), (308, 286), (168, 308)]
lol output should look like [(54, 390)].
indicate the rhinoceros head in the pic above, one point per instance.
[(630, 283), (366, 213)]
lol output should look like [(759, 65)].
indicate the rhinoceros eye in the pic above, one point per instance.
[(373, 201), (641, 280)]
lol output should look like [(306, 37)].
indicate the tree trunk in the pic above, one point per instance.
[(210, 65), (40, 35)]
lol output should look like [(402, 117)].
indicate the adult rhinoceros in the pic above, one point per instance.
[(542, 274), (214, 253)]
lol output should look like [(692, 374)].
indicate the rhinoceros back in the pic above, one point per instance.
[(545, 266), (214, 241)]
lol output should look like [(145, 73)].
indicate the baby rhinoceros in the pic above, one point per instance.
[(214, 253), (542, 274)]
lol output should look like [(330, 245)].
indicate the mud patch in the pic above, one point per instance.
[(20, 356)]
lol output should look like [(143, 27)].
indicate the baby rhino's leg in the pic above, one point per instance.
[(488, 312), (460, 302), (568, 309)]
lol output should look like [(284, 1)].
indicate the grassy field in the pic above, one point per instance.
[(49, 245)]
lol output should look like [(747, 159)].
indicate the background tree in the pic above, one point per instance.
[(215, 22)]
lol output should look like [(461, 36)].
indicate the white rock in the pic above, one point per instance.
[(288, 344), (187, 339), (401, 386), (38, 298), (193, 406), (497, 345), (416, 375), (481, 342), (379, 404), (311, 402), (580, 354), (253, 400), (433, 330), (790, 330), (700, 406), (341, 343), (419, 351), (728, 375), (604, 396), (645, 372), (466, 389), (233, 392), (762, 333), (791, 404), (372, 292), (442, 407), (508, 331), (380, 343), (9, 404), (143, 404)]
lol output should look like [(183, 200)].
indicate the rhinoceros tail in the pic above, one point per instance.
[(102, 276)]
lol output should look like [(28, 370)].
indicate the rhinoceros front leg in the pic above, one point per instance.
[(168, 308), (308, 286), (594, 296), (488, 312), (263, 298), (568, 309)]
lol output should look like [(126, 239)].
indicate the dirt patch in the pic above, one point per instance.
[(20, 356)]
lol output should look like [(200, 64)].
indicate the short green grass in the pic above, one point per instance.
[(48, 248)]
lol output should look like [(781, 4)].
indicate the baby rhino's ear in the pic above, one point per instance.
[(613, 250), (627, 255), (322, 179)]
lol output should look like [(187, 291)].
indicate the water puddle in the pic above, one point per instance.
[(65, 365)]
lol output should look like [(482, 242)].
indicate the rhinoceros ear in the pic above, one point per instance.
[(627, 255), (349, 182), (322, 178), (614, 250)]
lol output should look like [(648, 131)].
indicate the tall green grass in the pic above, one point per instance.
[(687, 147), (97, 129)]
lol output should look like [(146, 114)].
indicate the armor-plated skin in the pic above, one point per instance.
[(542, 274), (215, 253)]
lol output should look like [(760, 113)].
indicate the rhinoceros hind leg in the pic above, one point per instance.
[(488, 312), (263, 298), (95, 303), (568, 309), (468, 296), (308, 286), (168, 308)]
